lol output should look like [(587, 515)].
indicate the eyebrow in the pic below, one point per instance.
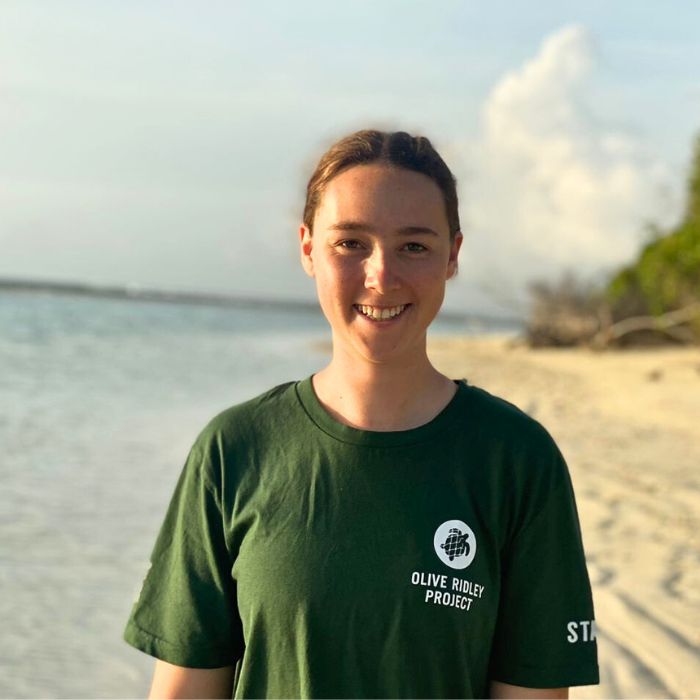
[(362, 226)]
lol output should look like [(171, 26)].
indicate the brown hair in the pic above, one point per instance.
[(398, 149)]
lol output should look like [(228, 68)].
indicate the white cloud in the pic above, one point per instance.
[(552, 186)]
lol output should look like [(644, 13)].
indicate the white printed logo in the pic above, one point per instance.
[(455, 544), (583, 631)]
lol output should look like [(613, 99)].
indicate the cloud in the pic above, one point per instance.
[(551, 185)]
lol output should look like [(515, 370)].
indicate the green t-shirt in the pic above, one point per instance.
[(327, 561)]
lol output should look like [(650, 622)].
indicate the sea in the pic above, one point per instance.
[(100, 400)]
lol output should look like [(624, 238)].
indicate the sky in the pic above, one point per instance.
[(168, 144)]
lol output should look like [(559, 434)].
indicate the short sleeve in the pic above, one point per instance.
[(186, 613), (545, 631)]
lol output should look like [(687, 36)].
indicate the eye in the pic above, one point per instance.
[(414, 247), (350, 244)]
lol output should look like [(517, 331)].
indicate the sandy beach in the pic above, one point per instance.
[(628, 424)]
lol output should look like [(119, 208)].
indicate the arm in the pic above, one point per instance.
[(171, 681), (505, 690)]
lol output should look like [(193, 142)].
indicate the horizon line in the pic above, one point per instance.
[(135, 292)]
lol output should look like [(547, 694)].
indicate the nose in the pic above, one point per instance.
[(381, 273)]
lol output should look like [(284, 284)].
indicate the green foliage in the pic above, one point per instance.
[(664, 278), (693, 208), (666, 275)]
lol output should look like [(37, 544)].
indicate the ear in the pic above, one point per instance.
[(306, 242), (454, 253)]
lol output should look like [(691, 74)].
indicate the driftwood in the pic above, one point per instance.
[(561, 328), (670, 324), (572, 313)]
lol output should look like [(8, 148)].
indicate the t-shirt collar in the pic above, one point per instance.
[(324, 421)]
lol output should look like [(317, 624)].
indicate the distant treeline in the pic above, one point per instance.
[(139, 294), (655, 299), (134, 293)]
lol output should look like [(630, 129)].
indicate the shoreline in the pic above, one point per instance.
[(627, 424)]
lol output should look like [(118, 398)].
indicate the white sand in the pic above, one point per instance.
[(628, 424)]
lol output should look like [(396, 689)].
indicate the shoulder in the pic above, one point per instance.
[(516, 446), (228, 438), (500, 420), (251, 416)]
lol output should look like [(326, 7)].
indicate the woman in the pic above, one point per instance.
[(377, 529)]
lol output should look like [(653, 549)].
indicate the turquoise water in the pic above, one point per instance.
[(100, 400)]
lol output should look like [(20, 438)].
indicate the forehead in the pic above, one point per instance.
[(382, 192)]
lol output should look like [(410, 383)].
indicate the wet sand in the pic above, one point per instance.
[(628, 424)]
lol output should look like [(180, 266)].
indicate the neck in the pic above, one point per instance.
[(382, 397)]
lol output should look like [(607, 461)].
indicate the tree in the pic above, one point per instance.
[(655, 299), (666, 276)]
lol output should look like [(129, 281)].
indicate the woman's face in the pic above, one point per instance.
[(380, 247)]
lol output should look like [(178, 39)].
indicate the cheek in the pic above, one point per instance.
[(334, 284), (335, 279), (431, 276)]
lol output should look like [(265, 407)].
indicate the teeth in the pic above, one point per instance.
[(381, 314)]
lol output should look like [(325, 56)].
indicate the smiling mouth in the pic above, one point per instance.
[(381, 314)]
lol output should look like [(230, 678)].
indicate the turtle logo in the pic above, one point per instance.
[(455, 544)]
